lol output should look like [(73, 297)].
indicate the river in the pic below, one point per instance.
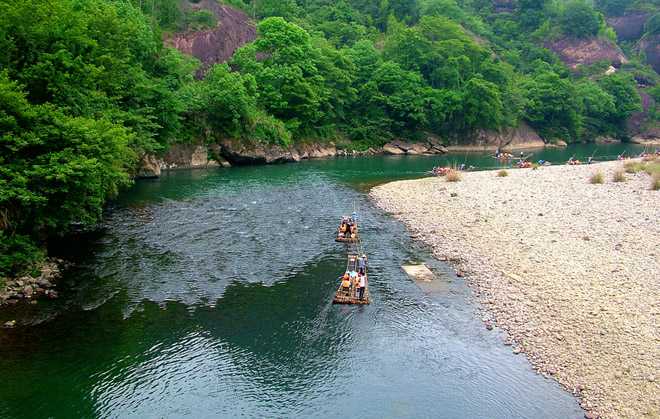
[(208, 294)]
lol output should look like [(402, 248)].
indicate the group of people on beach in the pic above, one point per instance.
[(355, 281), (443, 170), (347, 228)]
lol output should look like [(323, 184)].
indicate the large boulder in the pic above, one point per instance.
[(393, 149), (243, 153), (187, 156), (521, 137), (577, 52), (417, 148), (316, 151), (649, 138), (149, 167), (215, 154), (431, 145)]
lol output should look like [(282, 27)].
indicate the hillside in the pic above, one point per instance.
[(89, 88)]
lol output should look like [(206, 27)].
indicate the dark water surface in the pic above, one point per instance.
[(208, 295)]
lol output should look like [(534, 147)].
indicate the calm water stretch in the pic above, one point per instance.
[(208, 295)]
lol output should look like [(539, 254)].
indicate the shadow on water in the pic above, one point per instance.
[(208, 295)]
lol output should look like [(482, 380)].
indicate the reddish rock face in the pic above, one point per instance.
[(576, 52), (629, 27), (216, 45), (638, 123), (650, 46)]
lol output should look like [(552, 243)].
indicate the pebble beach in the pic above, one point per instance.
[(568, 269)]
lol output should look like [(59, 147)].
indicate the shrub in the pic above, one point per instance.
[(597, 178), (198, 20), (619, 176), (269, 130), (648, 165), (453, 176), (655, 182), (632, 167), (502, 173), (652, 167)]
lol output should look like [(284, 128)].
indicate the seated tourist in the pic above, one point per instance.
[(346, 282)]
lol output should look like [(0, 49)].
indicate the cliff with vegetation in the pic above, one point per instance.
[(89, 88)]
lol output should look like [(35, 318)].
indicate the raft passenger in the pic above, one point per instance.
[(361, 285), (346, 282), (362, 262)]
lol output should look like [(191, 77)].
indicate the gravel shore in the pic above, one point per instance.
[(570, 269)]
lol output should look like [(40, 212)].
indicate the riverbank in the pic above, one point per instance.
[(568, 268), (31, 288), (229, 153)]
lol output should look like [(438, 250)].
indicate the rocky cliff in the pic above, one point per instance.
[(576, 52), (216, 45), (180, 156), (640, 126), (650, 46), (629, 27), (521, 137)]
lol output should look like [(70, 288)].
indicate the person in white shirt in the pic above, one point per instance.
[(362, 285)]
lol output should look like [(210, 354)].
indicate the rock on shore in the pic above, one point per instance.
[(569, 269), (32, 288)]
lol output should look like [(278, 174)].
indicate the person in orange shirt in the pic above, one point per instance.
[(346, 282)]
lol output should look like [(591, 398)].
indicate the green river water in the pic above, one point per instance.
[(208, 294)]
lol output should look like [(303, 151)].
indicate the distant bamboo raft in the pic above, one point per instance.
[(354, 239)]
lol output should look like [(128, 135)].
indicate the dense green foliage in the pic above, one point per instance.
[(620, 7), (579, 19), (87, 88)]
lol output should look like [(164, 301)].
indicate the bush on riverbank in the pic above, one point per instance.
[(597, 178), (633, 167), (453, 176), (655, 182), (650, 166), (619, 176)]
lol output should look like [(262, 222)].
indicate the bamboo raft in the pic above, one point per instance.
[(350, 296), (347, 240), (341, 239)]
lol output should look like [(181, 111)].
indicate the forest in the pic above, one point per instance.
[(87, 87)]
